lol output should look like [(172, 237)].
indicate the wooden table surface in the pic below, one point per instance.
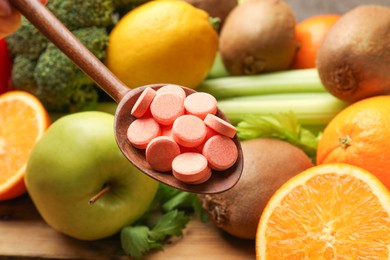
[(24, 235)]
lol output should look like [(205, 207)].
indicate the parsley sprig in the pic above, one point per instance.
[(169, 214)]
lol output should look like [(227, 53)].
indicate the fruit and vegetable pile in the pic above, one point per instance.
[(309, 100)]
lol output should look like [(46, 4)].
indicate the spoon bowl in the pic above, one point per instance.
[(58, 34), (219, 181)]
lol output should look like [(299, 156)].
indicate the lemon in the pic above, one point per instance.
[(162, 42)]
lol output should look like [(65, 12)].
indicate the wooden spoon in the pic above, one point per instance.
[(58, 34)]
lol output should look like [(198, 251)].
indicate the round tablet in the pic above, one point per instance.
[(143, 102), (209, 133), (166, 107), (141, 131), (190, 167), (221, 152), (171, 88), (160, 153), (166, 130), (198, 149), (200, 104), (204, 179), (189, 131), (219, 125)]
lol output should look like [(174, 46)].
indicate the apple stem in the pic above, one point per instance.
[(99, 194)]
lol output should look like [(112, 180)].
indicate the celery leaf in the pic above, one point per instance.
[(283, 126)]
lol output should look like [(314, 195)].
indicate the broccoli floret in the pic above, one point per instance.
[(121, 3), (95, 39), (27, 41), (43, 70), (23, 73), (54, 69), (122, 7), (75, 14)]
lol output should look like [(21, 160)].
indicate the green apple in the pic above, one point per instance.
[(75, 160)]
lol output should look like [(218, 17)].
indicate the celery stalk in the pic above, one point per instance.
[(310, 108), (289, 81)]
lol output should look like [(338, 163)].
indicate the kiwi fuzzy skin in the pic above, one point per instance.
[(215, 8), (353, 61), (268, 163), (258, 36)]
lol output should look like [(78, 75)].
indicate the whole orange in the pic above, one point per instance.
[(360, 135), (310, 34)]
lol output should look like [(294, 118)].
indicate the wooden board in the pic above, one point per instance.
[(24, 235)]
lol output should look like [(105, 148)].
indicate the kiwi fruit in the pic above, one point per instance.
[(353, 61), (215, 8), (258, 36), (268, 163)]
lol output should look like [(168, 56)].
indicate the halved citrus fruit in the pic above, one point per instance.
[(23, 121), (330, 211)]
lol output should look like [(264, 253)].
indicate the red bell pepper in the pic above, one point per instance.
[(5, 67)]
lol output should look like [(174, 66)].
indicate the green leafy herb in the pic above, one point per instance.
[(173, 209), (284, 126), (186, 200), (137, 240)]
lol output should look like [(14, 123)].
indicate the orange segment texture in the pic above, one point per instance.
[(23, 120), (333, 211)]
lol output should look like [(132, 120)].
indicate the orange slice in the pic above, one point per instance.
[(23, 121), (331, 211)]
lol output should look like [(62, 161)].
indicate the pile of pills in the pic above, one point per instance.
[(182, 134)]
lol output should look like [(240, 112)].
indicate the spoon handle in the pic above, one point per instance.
[(58, 34)]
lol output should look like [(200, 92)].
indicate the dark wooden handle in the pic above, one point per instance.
[(58, 34)]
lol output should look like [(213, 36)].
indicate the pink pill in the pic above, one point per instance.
[(143, 102), (221, 152), (190, 167), (160, 153), (141, 131), (204, 179), (189, 131), (171, 88), (198, 149), (166, 130), (209, 133), (200, 104), (219, 125), (166, 107)]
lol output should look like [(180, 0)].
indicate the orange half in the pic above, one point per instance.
[(23, 121), (330, 211)]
